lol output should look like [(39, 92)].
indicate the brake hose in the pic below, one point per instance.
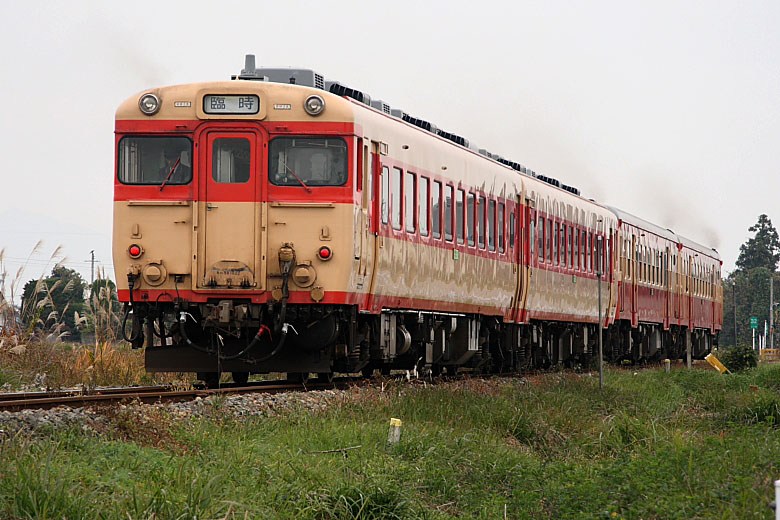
[(131, 283)]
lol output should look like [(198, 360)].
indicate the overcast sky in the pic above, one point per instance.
[(668, 110)]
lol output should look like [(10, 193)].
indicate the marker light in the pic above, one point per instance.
[(314, 105), (149, 104), (135, 251), (324, 253)]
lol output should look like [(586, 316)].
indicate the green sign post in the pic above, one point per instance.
[(753, 322)]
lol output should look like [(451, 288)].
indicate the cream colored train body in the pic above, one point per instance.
[(269, 226)]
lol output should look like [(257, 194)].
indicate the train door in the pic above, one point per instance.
[(668, 288), (634, 285), (229, 252), (689, 292), (375, 215), (677, 279), (612, 260), (365, 170), (525, 222)]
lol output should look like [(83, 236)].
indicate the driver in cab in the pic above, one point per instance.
[(174, 171)]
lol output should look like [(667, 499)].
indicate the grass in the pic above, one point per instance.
[(55, 364), (35, 352), (652, 445)]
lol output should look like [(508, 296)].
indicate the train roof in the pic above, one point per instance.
[(708, 251), (310, 78), (663, 232), (632, 219)]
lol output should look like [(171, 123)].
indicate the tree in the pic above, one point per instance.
[(748, 284), (51, 303), (763, 250)]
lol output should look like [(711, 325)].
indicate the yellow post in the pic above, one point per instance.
[(712, 360)]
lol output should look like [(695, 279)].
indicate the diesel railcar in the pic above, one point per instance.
[(279, 222)]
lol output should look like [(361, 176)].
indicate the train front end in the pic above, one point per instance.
[(233, 225)]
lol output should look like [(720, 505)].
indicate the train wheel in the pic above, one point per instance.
[(297, 377), (210, 379), (240, 378), (324, 377)]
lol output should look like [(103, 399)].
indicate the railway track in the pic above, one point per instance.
[(14, 402)]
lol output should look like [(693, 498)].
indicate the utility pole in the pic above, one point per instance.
[(771, 309), (93, 267), (734, 291)]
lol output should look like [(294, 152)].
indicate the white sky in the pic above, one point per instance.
[(667, 109)]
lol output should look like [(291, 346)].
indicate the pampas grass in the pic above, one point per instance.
[(33, 343)]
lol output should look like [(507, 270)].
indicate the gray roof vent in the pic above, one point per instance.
[(304, 77), (381, 106)]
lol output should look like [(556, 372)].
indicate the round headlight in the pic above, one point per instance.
[(149, 104), (314, 105)]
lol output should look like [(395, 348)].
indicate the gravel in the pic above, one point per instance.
[(92, 420)]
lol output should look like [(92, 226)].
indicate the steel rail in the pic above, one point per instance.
[(45, 400)]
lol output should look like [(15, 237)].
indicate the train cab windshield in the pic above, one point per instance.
[(315, 161), (155, 160)]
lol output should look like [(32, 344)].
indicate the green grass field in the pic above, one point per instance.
[(653, 445)]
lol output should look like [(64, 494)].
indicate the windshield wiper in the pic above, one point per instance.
[(298, 179), (167, 177)]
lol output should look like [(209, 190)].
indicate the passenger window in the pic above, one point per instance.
[(481, 222), (491, 220), (511, 229), (410, 186), (540, 239), (501, 228), (385, 194), (422, 202), (548, 240), (590, 251), (460, 211), (470, 217), (556, 241), (448, 213), (570, 247), (436, 210), (395, 200), (576, 249)]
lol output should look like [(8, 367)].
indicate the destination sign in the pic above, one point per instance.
[(231, 104)]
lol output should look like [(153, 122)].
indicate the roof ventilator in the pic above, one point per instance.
[(334, 87), (454, 138)]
